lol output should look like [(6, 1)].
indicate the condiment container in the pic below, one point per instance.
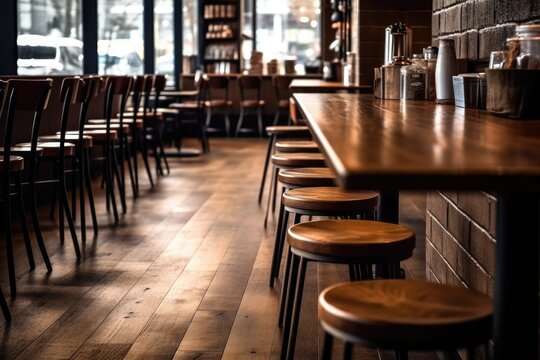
[(470, 90), (390, 77), (413, 82), (444, 70)]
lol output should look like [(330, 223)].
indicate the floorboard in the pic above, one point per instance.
[(184, 275)]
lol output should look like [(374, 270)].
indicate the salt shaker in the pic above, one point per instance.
[(444, 70)]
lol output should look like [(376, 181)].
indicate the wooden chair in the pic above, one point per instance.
[(281, 88), (217, 92), (404, 315), (192, 110), (361, 244), (154, 124), (250, 83), (29, 96), (87, 90)]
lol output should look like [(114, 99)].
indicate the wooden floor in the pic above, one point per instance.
[(183, 276)]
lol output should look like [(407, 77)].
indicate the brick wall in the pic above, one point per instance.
[(375, 16), (480, 26), (460, 239)]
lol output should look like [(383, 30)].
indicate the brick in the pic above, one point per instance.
[(452, 22), (492, 39), (436, 235), (450, 249), (476, 205), (453, 279), (461, 51), (452, 195), (472, 274), (436, 263), (438, 4), (467, 16), (512, 10), (492, 216), (438, 206), (428, 225), (472, 47), (448, 3), (435, 25), (483, 249), (484, 14), (459, 227)]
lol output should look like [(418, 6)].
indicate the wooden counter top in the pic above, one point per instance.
[(323, 86), (374, 143)]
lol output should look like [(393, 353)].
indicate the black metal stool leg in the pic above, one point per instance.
[(284, 289), (296, 308), (266, 164), (347, 350), (326, 353)]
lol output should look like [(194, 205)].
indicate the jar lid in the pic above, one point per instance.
[(400, 60), (528, 30)]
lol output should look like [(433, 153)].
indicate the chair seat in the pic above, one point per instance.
[(296, 146), (356, 239), (22, 151), (330, 199), (185, 105), (104, 126), (97, 135), (72, 138), (252, 103), (218, 103), (130, 122), (317, 176), (52, 148), (407, 314), (292, 130), (291, 160), (16, 163), (140, 115)]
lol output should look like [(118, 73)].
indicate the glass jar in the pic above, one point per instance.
[(413, 82)]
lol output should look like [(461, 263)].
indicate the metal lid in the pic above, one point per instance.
[(528, 30)]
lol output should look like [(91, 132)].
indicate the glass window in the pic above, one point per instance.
[(164, 36), (120, 37), (190, 32), (49, 40), (286, 29)]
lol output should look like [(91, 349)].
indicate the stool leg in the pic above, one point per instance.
[(266, 163), (289, 303), (296, 308), (347, 350), (240, 121), (281, 242), (4, 306), (276, 175), (284, 289), (326, 353), (277, 238), (401, 354), (272, 188)]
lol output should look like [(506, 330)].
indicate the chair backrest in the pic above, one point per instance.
[(25, 95), (250, 82), (90, 90), (158, 85), (69, 95), (117, 86), (217, 87), (281, 86)]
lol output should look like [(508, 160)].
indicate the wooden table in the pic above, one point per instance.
[(322, 86), (394, 145)]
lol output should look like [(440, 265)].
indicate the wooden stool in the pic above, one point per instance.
[(275, 132), (289, 161), (404, 315), (358, 243), (299, 146), (306, 177), (319, 201)]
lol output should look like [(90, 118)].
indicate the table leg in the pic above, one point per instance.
[(389, 206), (516, 277)]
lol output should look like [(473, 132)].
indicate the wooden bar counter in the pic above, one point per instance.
[(394, 145)]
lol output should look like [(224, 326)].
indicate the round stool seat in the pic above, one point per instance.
[(296, 146), (15, 163), (406, 314), (330, 199), (291, 160), (353, 239), (307, 177), (292, 130)]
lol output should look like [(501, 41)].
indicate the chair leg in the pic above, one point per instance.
[(88, 184), (266, 164), (240, 121), (109, 180), (80, 184), (35, 220), (4, 306), (260, 122), (326, 353), (59, 190), (135, 149), (66, 209), (281, 223), (6, 216), (297, 303), (24, 224), (162, 147), (117, 173), (144, 152), (74, 181), (131, 172)]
